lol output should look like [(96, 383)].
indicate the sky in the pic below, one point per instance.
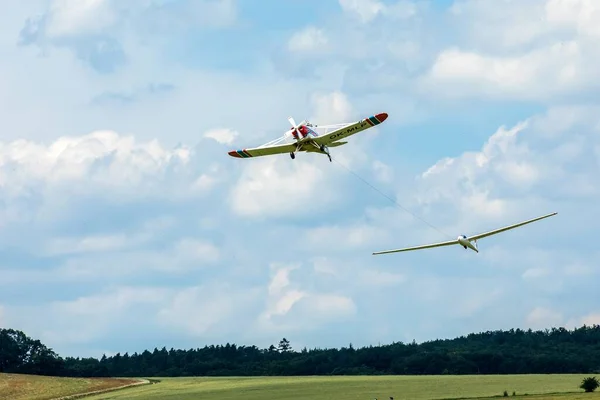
[(125, 226)]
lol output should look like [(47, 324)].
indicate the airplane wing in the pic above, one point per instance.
[(351, 129), (263, 151), (495, 231), (336, 144), (425, 246)]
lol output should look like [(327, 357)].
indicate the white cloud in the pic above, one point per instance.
[(276, 186), (458, 73), (502, 179), (280, 279), (94, 163), (309, 39), (490, 22), (368, 10), (472, 176), (290, 308), (531, 23), (583, 15), (282, 299), (331, 108), (223, 135), (69, 17), (548, 41)]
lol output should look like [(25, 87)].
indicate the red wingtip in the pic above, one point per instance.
[(381, 116), (234, 153)]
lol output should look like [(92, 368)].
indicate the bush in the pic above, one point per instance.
[(505, 393), (589, 384)]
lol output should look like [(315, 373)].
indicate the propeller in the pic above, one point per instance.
[(295, 127)]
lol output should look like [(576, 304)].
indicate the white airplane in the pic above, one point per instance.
[(310, 138), (466, 242)]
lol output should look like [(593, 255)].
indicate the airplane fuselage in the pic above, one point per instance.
[(305, 133), (466, 243)]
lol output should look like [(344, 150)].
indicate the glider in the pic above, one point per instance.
[(310, 138), (464, 241)]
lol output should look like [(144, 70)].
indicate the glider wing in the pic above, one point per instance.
[(425, 246), (506, 228)]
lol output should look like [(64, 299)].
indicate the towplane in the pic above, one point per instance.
[(310, 138)]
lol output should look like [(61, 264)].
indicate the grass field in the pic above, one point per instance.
[(539, 387), (32, 387), (362, 387)]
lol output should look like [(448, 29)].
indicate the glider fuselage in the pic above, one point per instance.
[(464, 242)]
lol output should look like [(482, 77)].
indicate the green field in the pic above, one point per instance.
[(546, 387), (358, 387), (33, 387)]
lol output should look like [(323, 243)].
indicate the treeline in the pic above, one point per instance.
[(556, 350)]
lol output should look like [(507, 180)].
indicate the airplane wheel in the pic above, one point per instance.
[(292, 155)]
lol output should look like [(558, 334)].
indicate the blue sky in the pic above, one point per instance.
[(126, 226)]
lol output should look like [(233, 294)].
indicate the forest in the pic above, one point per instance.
[(514, 351)]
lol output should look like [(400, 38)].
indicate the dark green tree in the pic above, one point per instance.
[(22, 354), (589, 384), (284, 346)]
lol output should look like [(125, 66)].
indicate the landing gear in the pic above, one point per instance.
[(325, 150), (292, 155)]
